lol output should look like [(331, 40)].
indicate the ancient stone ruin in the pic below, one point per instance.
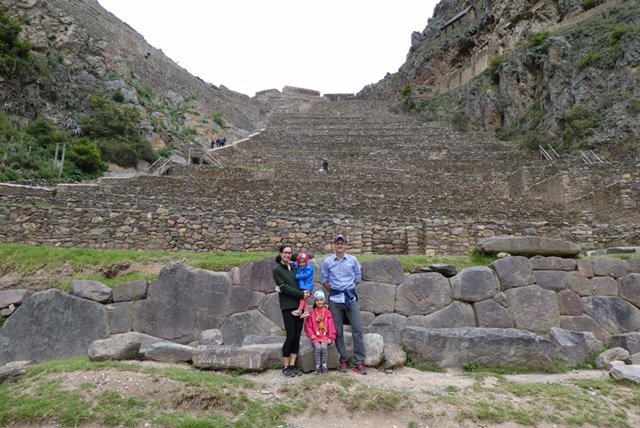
[(517, 312)]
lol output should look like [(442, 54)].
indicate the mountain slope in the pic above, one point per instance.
[(538, 72), (83, 51)]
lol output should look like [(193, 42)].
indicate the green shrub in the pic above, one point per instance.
[(86, 156), (504, 134), (460, 122), (16, 55), (117, 132), (119, 151), (495, 63), (589, 59), (590, 4), (635, 105), (617, 33), (217, 118), (406, 91), (165, 152), (45, 133), (538, 39), (118, 96), (578, 124)]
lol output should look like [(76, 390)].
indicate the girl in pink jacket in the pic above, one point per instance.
[(321, 330)]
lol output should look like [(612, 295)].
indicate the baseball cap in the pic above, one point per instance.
[(340, 238)]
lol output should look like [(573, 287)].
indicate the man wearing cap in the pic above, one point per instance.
[(340, 275)]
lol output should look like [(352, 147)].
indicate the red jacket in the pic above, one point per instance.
[(314, 322)]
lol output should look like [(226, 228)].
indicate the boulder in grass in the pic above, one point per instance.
[(529, 246), (228, 358), (91, 290)]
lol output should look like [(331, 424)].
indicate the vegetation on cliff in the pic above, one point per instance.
[(572, 87), (38, 147)]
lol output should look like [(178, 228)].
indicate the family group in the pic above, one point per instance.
[(323, 323)]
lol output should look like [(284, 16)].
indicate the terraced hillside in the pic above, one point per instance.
[(394, 185)]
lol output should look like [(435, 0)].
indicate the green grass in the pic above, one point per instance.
[(204, 399), (26, 259), (422, 366)]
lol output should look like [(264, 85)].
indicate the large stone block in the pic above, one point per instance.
[(534, 308), (604, 286), (270, 308), (630, 288), (422, 294), (388, 326), (124, 346), (270, 345), (584, 323), (52, 325), (306, 358), (183, 302), (92, 290), (129, 291), (492, 314), (387, 270), (457, 314), (605, 266), (228, 358), (474, 284), (576, 346), (377, 297), (513, 272), (13, 297), (242, 324), (243, 299), (258, 276), (570, 303), (629, 341), (167, 352), (529, 246), (613, 313), (457, 347), (120, 317), (551, 279), (580, 283), (553, 263)]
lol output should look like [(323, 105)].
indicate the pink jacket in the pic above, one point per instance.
[(313, 323)]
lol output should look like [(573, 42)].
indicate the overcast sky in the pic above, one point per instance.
[(250, 45)]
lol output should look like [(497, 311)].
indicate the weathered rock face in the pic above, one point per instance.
[(182, 303), (99, 54), (455, 347), (517, 75), (52, 325), (529, 246)]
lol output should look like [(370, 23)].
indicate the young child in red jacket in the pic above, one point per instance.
[(321, 330)]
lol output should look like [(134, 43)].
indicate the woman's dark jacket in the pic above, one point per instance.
[(290, 294)]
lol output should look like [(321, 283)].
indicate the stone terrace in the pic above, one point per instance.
[(395, 186)]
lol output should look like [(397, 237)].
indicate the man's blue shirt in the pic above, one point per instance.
[(341, 274)]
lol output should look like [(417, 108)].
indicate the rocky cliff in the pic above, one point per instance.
[(83, 50), (543, 72)]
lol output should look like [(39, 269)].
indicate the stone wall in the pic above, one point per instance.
[(89, 217), (537, 294)]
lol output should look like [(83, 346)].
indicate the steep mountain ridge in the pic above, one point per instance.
[(542, 72), (89, 51)]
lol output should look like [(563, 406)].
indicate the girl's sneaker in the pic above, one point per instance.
[(325, 370), (318, 371)]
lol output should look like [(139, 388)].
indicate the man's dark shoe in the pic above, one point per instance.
[(360, 368), (342, 368)]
